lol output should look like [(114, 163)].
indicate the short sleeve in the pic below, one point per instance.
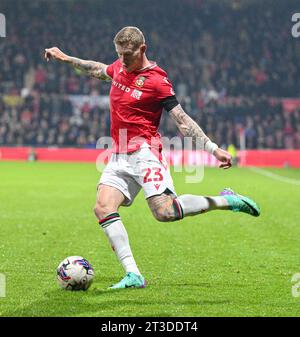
[(164, 88), (111, 69)]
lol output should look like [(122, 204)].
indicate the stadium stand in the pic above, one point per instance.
[(231, 69)]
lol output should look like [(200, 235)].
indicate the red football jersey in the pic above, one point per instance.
[(135, 105)]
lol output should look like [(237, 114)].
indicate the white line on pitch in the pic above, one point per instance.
[(275, 176)]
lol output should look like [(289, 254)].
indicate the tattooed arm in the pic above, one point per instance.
[(189, 128), (91, 68)]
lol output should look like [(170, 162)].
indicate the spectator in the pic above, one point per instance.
[(226, 62)]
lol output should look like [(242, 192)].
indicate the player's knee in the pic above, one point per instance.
[(102, 209)]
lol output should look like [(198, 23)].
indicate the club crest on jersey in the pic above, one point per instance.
[(136, 94), (140, 81)]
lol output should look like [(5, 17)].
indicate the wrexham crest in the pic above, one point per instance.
[(140, 81)]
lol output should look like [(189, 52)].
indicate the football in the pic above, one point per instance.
[(75, 273)]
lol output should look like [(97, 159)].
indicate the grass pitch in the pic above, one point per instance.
[(215, 264)]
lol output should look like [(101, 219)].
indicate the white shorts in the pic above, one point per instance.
[(129, 172)]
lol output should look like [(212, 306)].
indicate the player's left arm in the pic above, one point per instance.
[(189, 128)]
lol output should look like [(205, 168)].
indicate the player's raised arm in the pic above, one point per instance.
[(91, 68), (189, 128)]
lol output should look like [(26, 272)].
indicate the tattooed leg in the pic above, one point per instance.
[(166, 207)]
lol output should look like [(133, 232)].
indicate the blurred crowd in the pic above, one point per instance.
[(51, 119), (227, 64)]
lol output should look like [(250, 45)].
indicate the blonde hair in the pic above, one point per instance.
[(129, 35)]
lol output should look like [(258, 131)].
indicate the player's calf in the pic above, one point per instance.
[(109, 199)]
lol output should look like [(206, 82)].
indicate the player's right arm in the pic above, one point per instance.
[(91, 68)]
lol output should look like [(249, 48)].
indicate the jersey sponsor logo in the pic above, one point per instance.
[(120, 86), (136, 94), (140, 81)]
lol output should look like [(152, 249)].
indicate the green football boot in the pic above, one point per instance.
[(240, 203), (131, 280)]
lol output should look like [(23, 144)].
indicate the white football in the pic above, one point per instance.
[(75, 273)]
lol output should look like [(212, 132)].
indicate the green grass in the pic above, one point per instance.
[(216, 264)]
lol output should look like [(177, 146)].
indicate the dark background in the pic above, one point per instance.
[(231, 63)]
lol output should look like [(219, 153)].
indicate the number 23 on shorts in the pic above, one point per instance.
[(153, 174)]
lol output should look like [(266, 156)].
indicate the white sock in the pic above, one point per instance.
[(194, 204), (118, 238)]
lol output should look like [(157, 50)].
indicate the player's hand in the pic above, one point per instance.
[(224, 157), (56, 54)]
